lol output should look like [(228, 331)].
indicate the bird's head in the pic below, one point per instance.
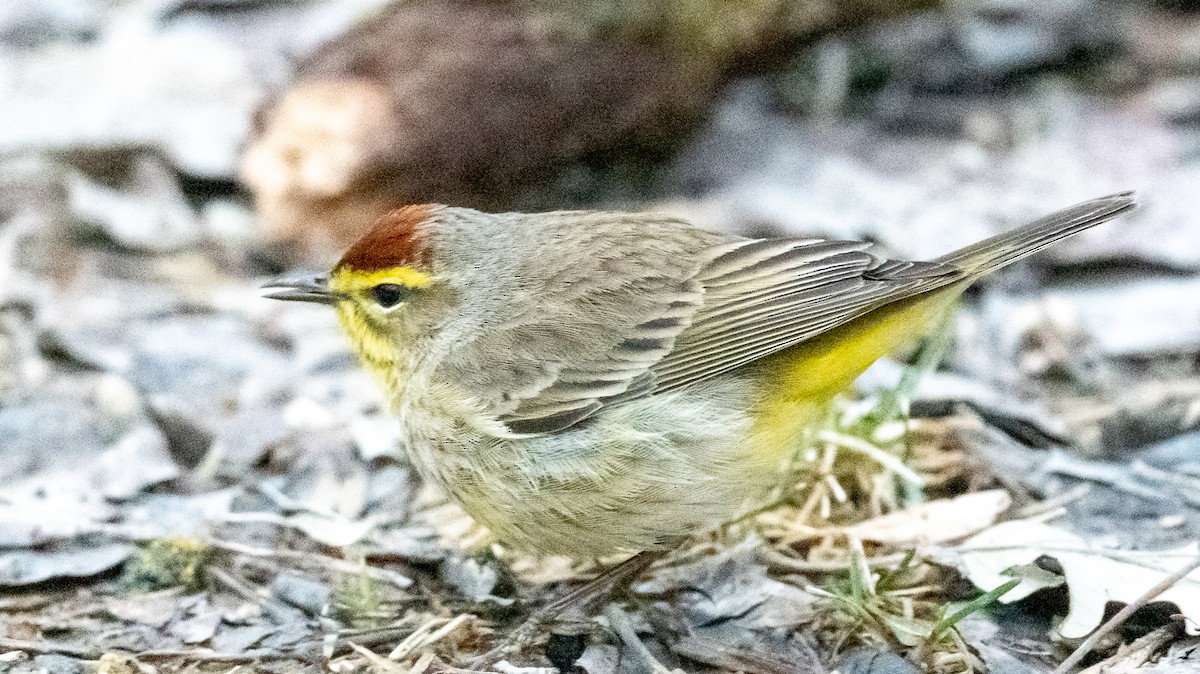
[(384, 289)]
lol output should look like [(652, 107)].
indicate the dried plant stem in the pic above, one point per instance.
[(777, 559), (57, 648), (198, 655), (869, 450), (428, 634), (400, 581), (244, 589), (620, 624)]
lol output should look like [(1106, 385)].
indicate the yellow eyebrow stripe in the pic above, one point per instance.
[(350, 280)]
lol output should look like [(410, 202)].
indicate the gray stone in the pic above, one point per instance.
[(733, 585), (229, 222), (306, 594), (239, 638), (1001, 36), (600, 659), (154, 516), (197, 371), (1139, 316), (179, 77), (146, 209), (999, 651), (94, 321), (48, 434), (34, 218), (196, 110), (199, 625), (474, 580), (244, 439)]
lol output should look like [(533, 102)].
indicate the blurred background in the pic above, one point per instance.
[(160, 158)]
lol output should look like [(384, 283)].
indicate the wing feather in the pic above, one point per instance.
[(574, 332), (634, 320), (752, 298), (771, 303)]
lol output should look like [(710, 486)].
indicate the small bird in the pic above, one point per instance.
[(586, 383)]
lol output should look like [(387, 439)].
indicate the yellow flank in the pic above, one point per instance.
[(803, 379), (355, 280)]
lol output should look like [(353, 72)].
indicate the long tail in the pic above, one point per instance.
[(1004, 249)]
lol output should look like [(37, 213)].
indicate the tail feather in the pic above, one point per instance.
[(1004, 249)]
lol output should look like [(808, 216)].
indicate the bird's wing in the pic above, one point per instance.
[(570, 332), (576, 388), (751, 298), (675, 306), (763, 296)]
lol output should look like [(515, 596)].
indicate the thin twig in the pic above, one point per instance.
[(576, 606), (375, 636), (28, 602), (205, 655), (201, 655), (427, 635), (441, 667), (1053, 504), (869, 450), (313, 559), (54, 647), (242, 588), (1122, 615), (629, 638), (777, 559)]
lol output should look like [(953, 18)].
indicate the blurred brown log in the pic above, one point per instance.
[(471, 102)]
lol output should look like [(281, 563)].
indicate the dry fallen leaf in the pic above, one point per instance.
[(935, 522), (333, 530), (1094, 575)]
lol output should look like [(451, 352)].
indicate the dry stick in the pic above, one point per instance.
[(28, 602), (210, 656), (1115, 621), (629, 638), (55, 647), (1040, 508), (202, 655), (438, 666), (779, 560), (240, 587), (313, 559)]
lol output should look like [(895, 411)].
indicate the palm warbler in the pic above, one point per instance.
[(585, 383)]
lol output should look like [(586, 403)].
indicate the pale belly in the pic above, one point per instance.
[(637, 476)]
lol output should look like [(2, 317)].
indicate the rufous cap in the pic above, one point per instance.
[(396, 240)]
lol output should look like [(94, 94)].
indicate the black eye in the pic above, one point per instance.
[(388, 295)]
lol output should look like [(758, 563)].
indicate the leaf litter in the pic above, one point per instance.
[(170, 506), (892, 534)]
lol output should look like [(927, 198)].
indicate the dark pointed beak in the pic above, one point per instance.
[(309, 288)]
